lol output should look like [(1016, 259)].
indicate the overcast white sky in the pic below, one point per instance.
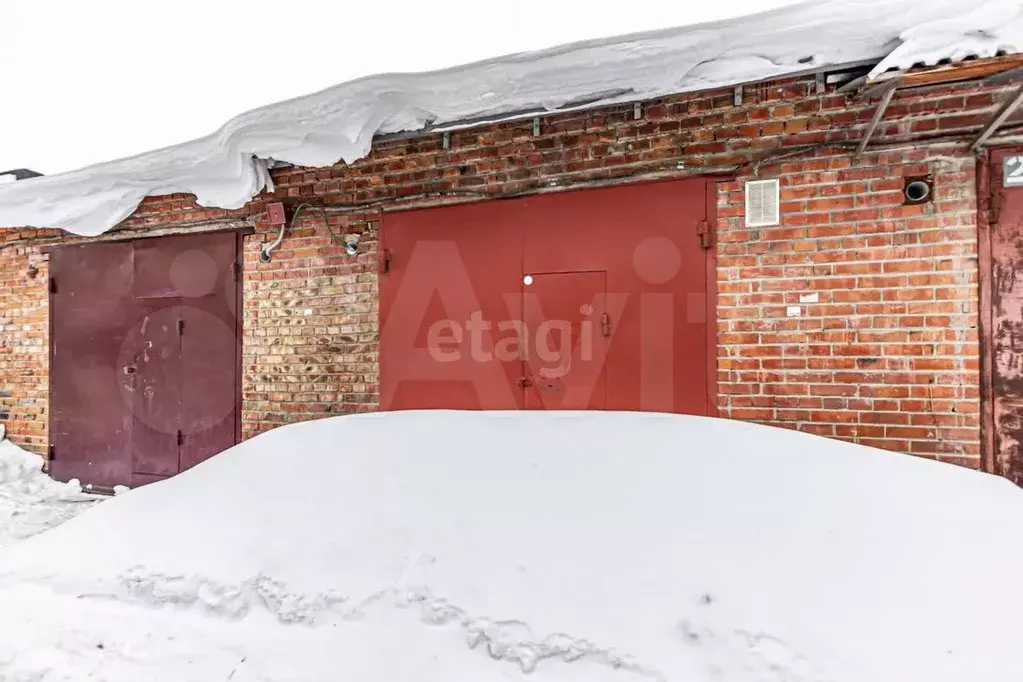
[(85, 81)]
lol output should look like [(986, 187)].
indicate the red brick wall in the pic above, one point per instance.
[(887, 352), (888, 356), (24, 339), (310, 340)]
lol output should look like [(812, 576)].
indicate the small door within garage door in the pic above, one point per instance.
[(565, 361), (593, 299), (144, 357)]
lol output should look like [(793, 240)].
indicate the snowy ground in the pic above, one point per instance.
[(31, 502), (454, 546)]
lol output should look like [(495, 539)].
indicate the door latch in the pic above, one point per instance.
[(181, 438), (525, 382), (605, 325)]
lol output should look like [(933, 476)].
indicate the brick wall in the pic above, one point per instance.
[(885, 348), (24, 339), (887, 356), (310, 340)]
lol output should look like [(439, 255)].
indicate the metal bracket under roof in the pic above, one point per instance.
[(886, 98), (1001, 117)]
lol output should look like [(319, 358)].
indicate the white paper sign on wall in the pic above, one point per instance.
[(1013, 171)]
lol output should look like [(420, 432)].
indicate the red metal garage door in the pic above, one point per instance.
[(144, 357), (594, 299)]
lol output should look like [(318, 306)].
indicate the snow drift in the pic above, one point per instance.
[(229, 167), (30, 501), (455, 546)]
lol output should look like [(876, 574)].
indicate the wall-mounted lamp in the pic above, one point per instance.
[(276, 216), (351, 244)]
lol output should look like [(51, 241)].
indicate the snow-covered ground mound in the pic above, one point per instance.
[(469, 546), (30, 501)]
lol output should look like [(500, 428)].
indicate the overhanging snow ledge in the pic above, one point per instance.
[(340, 123)]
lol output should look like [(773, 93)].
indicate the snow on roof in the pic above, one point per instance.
[(589, 546), (229, 167)]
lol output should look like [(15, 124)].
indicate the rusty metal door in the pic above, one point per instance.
[(167, 349), (565, 340), (1002, 314)]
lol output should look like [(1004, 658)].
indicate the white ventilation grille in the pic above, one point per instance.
[(762, 203)]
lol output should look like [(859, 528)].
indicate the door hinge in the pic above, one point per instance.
[(706, 236), (605, 325), (53, 285), (237, 268), (385, 261), (51, 453), (181, 438), (994, 212), (181, 327)]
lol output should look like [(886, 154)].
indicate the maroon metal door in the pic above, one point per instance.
[(166, 350), (566, 330), (1002, 300), (210, 348), (91, 313)]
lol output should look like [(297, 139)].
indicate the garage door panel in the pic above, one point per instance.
[(90, 310), (209, 341), (131, 381), (644, 237), (151, 362), (209, 370), (184, 266), (611, 229), (455, 278)]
